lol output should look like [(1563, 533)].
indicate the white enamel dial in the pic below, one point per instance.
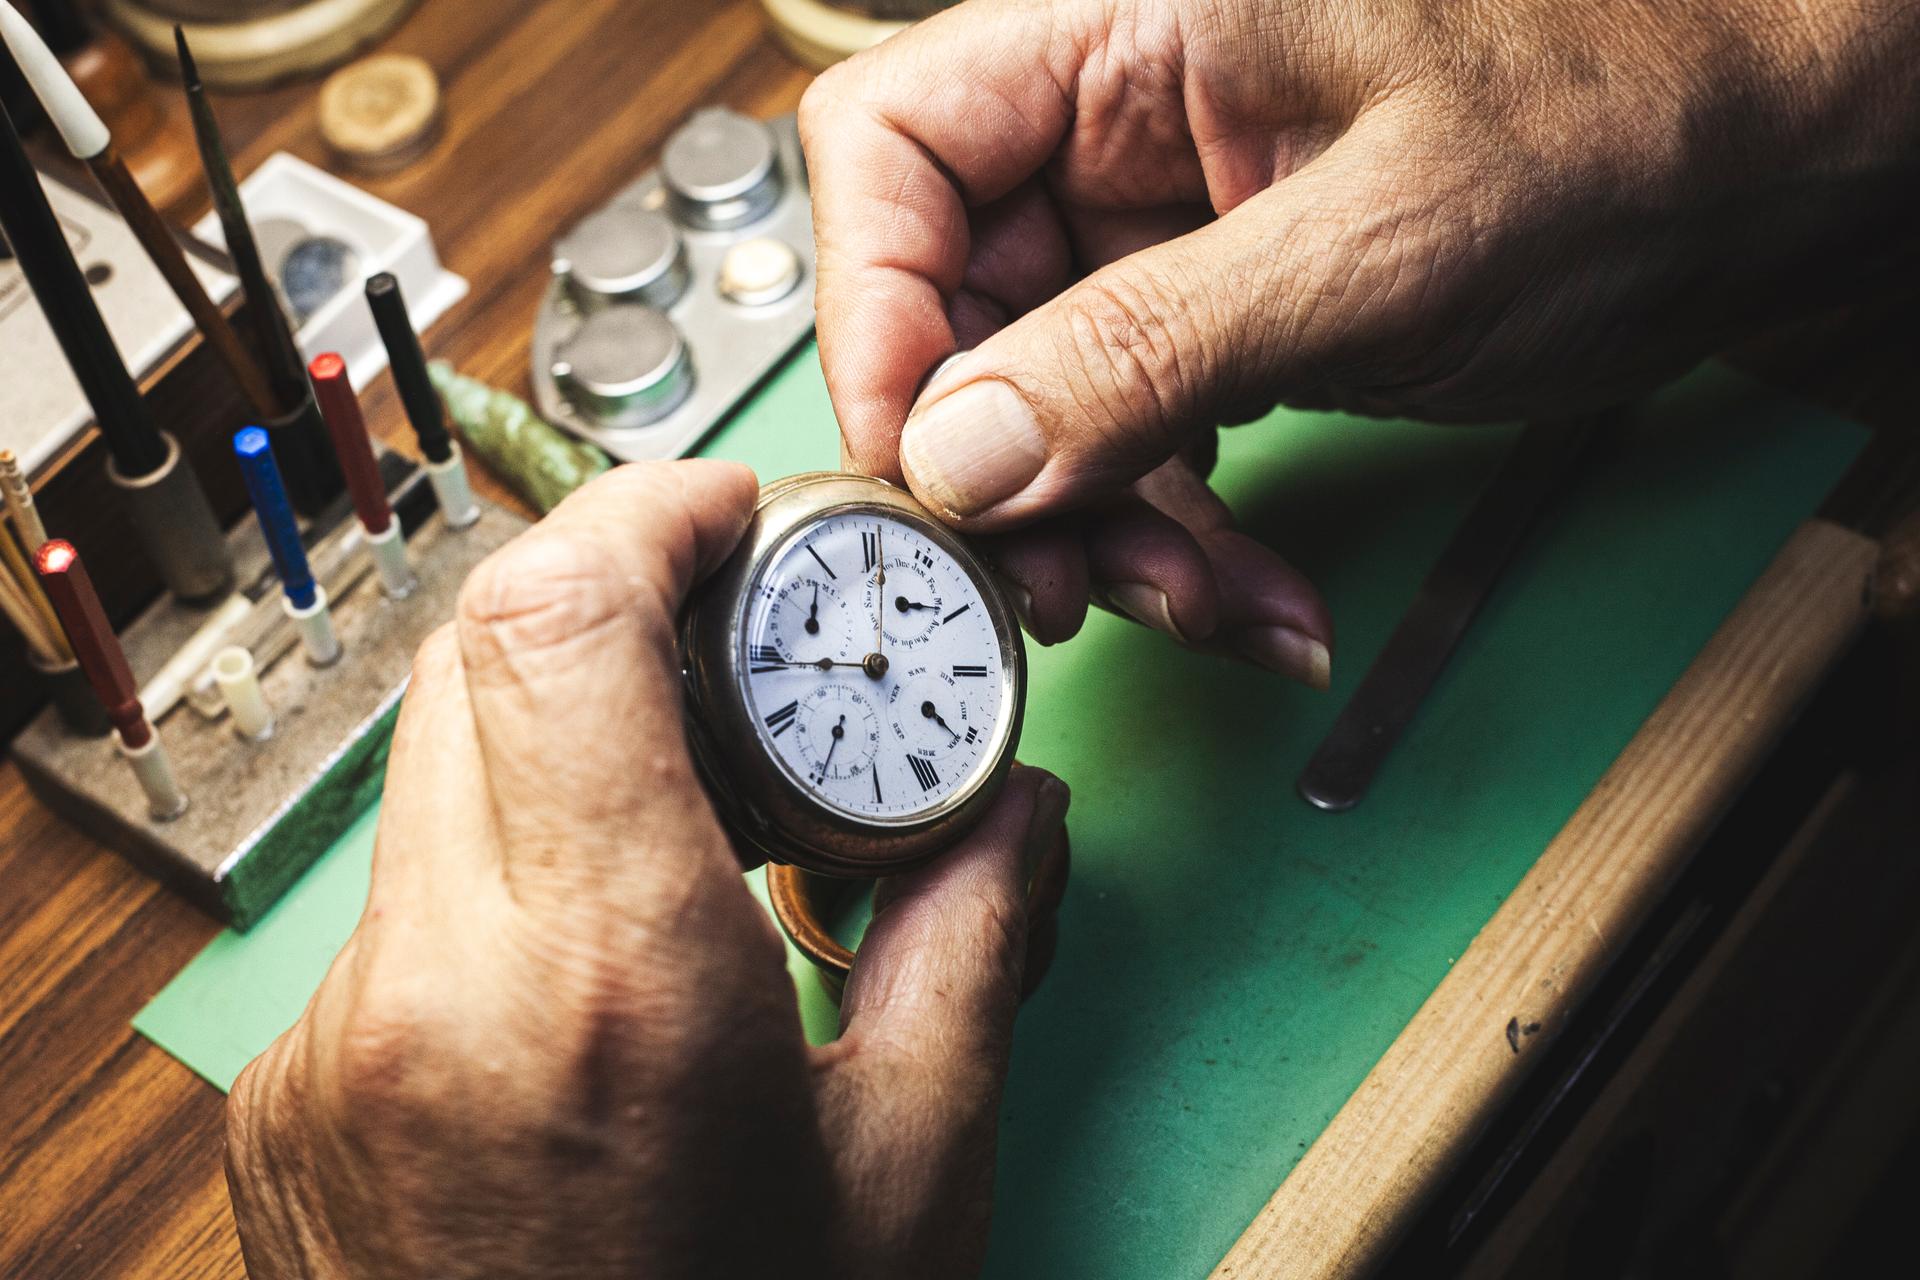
[(886, 741)]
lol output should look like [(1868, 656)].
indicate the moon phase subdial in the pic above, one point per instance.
[(837, 733)]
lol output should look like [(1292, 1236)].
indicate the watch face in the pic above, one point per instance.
[(872, 670)]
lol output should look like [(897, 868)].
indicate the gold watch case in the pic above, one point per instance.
[(754, 794)]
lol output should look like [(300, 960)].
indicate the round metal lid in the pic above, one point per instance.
[(624, 251), (721, 168), (627, 364)]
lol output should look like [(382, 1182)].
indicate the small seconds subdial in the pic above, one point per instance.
[(837, 731), (897, 705)]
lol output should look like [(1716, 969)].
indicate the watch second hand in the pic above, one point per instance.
[(839, 732), (879, 592)]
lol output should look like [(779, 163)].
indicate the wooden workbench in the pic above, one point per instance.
[(110, 1152)]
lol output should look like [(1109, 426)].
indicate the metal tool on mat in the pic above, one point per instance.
[(1460, 582)]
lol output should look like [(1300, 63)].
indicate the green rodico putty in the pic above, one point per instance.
[(539, 461)]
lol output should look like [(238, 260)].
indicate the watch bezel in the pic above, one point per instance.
[(755, 792)]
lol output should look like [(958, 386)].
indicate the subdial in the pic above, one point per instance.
[(808, 620), (838, 733), (909, 602), (929, 715)]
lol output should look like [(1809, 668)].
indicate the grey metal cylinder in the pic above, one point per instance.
[(625, 366), (721, 170), (176, 526), (623, 253)]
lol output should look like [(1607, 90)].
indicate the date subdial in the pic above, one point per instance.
[(909, 603), (809, 620), (929, 716), (837, 733)]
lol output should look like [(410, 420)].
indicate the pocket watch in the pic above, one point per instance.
[(854, 681)]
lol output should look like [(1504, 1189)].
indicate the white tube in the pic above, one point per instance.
[(315, 625), (172, 681), (450, 487), (239, 682), (165, 799), (389, 551)]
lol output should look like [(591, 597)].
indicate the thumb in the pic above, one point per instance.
[(912, 1086), (1083, 395)]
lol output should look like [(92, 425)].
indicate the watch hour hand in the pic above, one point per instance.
[(932, 713), (766, 657)]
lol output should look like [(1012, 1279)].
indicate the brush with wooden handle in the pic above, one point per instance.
[(88, 138)]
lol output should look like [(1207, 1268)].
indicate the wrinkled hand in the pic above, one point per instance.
[(562, 1040), (1152, 217)]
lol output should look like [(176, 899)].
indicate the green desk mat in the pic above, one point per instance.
[(1232, 962)]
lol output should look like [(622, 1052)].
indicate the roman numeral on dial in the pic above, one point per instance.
[(765, 653), (870, 550), (924, 773), (782, 720), (961, 671)]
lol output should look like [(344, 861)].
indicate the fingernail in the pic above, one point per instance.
[(1050, 803), (1289, 652), (1145, 604), (973, 447)]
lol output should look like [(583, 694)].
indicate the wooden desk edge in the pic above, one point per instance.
[(1345, 1204)]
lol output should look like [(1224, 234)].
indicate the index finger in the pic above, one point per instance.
[(567, 639), (954, 112)]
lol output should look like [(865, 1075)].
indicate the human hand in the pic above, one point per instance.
[(562, 1040), (1148, 218)]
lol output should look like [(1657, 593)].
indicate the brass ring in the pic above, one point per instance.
[(802, 900)]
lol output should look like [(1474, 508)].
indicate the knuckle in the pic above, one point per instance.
[(544, 591), (268, 1118), (996, 934), (827, 93), (1131, 353), (250, 1114), (437, 656), (381, 1077)]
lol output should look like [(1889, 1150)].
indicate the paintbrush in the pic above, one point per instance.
[(47, 646), (18, 500), (18, 496), (88, 138), (300, 436), (13, 562), (163, 497)]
